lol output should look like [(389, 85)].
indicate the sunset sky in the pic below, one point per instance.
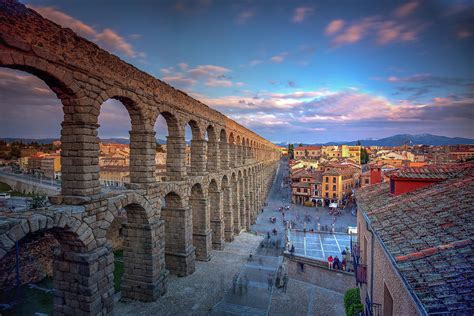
[(289, 70)]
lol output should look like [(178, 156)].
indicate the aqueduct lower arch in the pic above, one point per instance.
[(226, 190)]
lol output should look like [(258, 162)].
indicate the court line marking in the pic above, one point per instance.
[(337, 243), (322, 249)]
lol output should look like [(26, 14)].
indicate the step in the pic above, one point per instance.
[(224, 308)]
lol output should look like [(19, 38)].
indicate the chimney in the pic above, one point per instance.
[(375, 175)]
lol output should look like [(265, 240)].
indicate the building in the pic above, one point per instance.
[(307, 152), (415, 250), (408, 179), (305, 185), (44, 165), (352, 152), (331, 152), (114, 176), (283, 150), (338, 183)]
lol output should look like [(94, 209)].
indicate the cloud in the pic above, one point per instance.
[(255, 62), (108, 38), (278, 59), (180, 80), (384, 30), (334, 26), (406, 9), (218, 83), (245, 15), (207, 71), (301, 13)]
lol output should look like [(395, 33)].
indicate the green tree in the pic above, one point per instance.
[(291, 151), (38, 201), (364, 156)]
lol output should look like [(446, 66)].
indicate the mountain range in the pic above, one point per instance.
[(402, 139)]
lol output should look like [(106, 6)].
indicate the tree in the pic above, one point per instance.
[(291, 151), (364, 156), (38, 201)]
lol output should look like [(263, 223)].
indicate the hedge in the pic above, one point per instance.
[(352, 303)]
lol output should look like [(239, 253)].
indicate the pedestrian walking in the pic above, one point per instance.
[(270, 282), (285, 282), (234, 283)]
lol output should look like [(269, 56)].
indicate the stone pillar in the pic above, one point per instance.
[(217, 219), (179, 250), (83, 282), (202, 234), (198, 156), (145, 276), (239, 157), (224, 155), (243, 209), (175, 158), (228, 215), (79, 159), (213, 156), (233, 155), (142, 157), (236, 206)]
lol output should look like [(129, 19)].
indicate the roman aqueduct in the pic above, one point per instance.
[(170, 223)]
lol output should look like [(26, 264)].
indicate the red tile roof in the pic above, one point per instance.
[(308, 148), (429, 233), (436, 172)]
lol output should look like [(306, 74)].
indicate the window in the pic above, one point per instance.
[(334, 195), (392, 186), (327, 194), (327, 187), (387, 301), (367, 181), (327, 179), (334, 188), (334, 180)]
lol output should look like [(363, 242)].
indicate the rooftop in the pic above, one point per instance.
[(435, 172), (429, 233)]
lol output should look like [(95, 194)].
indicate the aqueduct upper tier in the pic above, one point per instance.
[(170, 223)]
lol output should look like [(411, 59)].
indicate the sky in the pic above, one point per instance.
[(292, 71)]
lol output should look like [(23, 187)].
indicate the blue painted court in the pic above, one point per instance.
[(319, 245)]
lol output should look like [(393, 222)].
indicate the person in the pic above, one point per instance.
[(268, 235), (292, 250), (270, 282), (337, 263), (285, 282), (344, 264), (250, 255), (330, 262), (302, 266), (234, 283)]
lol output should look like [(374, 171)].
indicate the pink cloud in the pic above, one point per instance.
[(355, 32), (207, 71), (279, 58), (218, 83), (244, 16), (107, 37), (179, 80), (464, 33), (301, 13), (334, 26), (406, 9)]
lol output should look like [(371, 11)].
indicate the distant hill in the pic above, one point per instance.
[(401, 139), (10, 140)]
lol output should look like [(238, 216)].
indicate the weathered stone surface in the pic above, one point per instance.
[(169, 224)]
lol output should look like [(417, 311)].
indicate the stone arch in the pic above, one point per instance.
[(175, 148), (238, 150), (196, 163), (223, 150), (75, 269), (201, 222), (227, 209), (234, 182), (216, 214), (232, 150), (78, 119), (213, 152), (179, 251)]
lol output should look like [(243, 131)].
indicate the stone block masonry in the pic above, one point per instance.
[(168, 224)]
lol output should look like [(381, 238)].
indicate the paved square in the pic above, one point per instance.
[(319, 245)]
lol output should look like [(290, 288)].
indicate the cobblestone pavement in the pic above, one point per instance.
[(197, 293)]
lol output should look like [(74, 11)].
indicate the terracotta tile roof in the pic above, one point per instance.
[(436, 172), (429, 233), (308, 148)]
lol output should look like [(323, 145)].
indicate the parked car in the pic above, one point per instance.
[(4, 196)]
